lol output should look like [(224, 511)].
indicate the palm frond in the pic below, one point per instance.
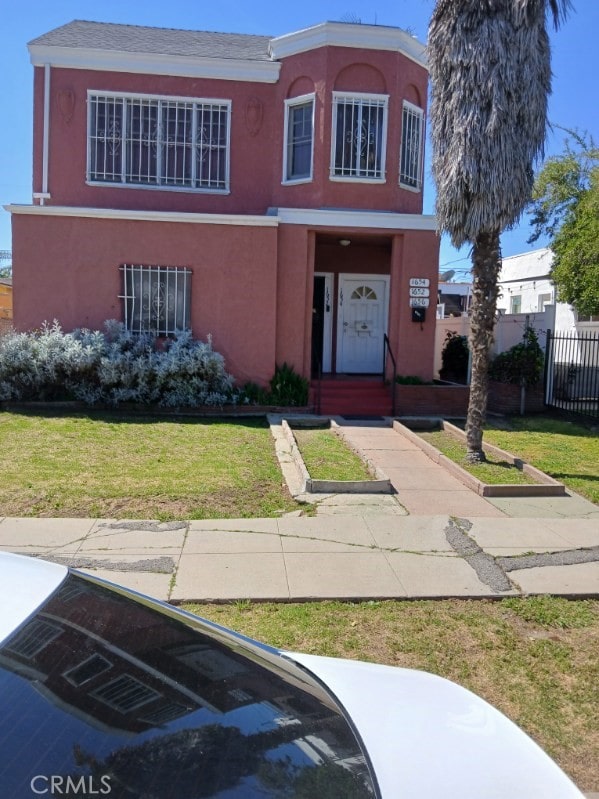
[(490, 73)]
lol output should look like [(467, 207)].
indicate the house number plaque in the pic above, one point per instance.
[(419, 292)]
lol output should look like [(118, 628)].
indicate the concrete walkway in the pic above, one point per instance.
[(425, 487), (433, 538)]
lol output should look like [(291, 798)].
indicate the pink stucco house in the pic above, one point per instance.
[(266, 191)]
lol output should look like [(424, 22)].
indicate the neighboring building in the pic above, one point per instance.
[(5, 303), (525, 282), (527, 288), (265, 191), (454, 299)]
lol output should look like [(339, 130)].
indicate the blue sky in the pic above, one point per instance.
[(573, 103)]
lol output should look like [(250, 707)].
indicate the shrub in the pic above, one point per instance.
[(454, 358), (521, 364), (411, 380), (253, 394), (288, 388), (112, 367), (45, 364)]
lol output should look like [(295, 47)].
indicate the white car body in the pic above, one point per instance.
[(426, 737)]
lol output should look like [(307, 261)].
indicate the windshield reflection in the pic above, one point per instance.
[(141, 704)]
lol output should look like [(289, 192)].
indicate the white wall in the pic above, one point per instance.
[(527, 276), (509, 329)]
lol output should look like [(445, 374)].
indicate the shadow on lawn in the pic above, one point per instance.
[(129, 416), (545, 423), (567, 476)]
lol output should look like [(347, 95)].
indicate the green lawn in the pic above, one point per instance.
[(567, 451), (535, 659), (327, 456), (112, 465), (493, 471)]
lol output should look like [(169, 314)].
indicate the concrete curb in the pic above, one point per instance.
[(380, 484), (545, 486)]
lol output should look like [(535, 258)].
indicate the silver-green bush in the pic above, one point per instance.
[(112, 367)]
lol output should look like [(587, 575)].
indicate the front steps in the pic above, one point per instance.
[(346, 396)]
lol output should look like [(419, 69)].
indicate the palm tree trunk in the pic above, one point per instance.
[(486, 263)]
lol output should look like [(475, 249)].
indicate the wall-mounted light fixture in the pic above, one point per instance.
[(345, 242)]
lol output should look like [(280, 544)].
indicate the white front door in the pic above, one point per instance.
[(362, 322)]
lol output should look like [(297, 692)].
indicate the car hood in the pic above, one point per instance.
[(428, 737), (25, 585)]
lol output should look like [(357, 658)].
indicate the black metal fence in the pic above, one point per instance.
[(572, 372)]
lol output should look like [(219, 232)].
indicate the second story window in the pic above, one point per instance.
[(359, 136), (299, 139), (412, 139), (171, 143)]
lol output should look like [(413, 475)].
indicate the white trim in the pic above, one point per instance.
[(340, 179), (155, 63), (327, 332), (290, 216), (153, 187), (46, 133), (383, 98), (413, 189), (356, 219), (296, 181), (342, 34), (171, 98), (41, 196), (144, 216), (303, 99)]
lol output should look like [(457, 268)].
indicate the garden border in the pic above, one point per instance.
[(380, 483), (545, 486)]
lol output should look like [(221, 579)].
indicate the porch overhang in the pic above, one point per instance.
[(353, 219)]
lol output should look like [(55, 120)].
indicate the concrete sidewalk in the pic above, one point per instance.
[(367, 555), (432, 538)]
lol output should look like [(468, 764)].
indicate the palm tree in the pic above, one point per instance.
[(490, 75)]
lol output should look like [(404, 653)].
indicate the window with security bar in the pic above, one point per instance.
[(157, 299), (412, 139), (170, 143), (359, 136)]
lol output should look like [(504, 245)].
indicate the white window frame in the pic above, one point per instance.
[(158, 181), (413, 180), (516, 303), (290, 104), (139, 321), (360, 99), (544, 299)]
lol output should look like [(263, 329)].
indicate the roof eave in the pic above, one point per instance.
[(341, 34), (154, 63)]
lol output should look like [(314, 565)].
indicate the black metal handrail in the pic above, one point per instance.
[(387, 351), (318, 386)]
